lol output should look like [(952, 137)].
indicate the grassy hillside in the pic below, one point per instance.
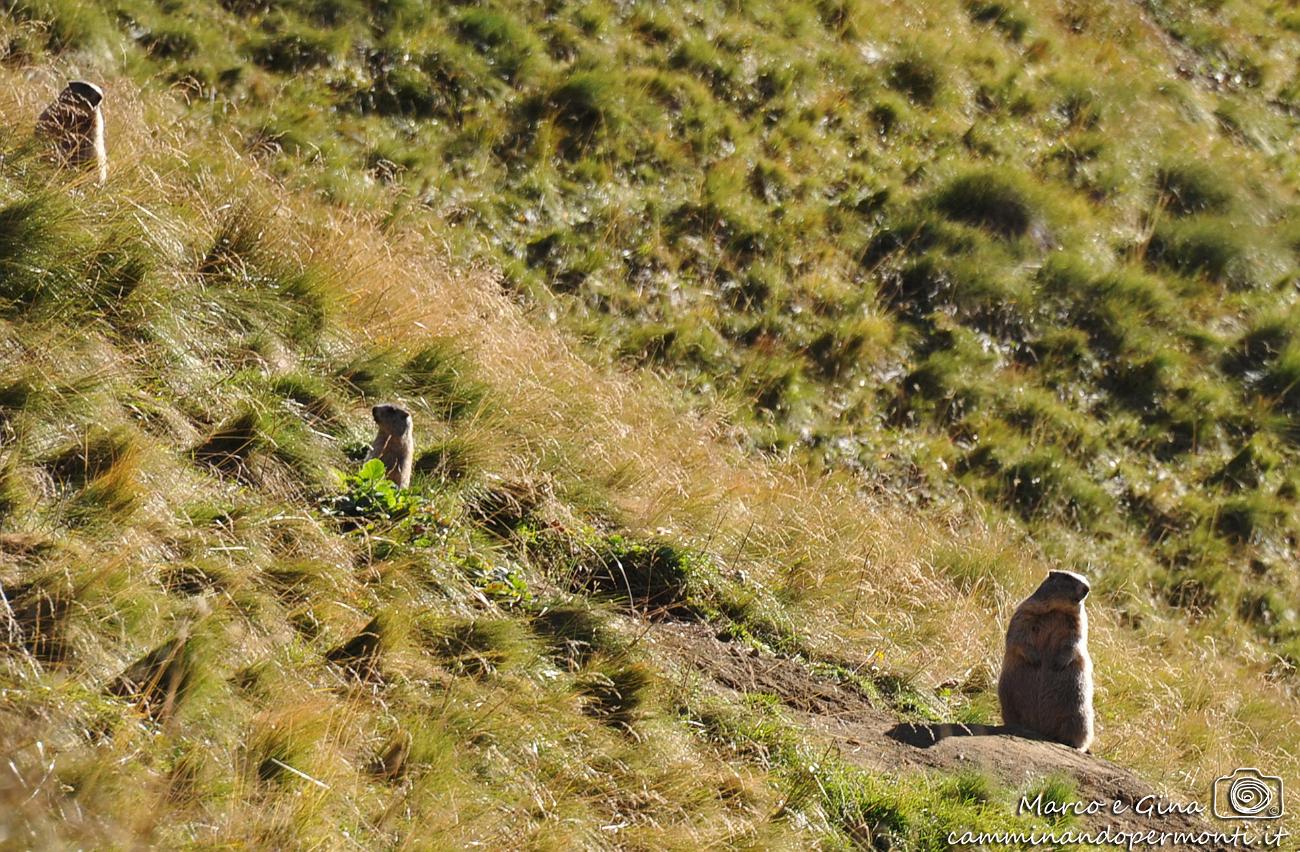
[(904, 302), (209, 639), (1041, 252)]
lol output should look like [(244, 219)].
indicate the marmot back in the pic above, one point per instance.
[(1046, 681), (74, 125), (394, 443)]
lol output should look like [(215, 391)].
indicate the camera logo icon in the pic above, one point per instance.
[(1248, 794)]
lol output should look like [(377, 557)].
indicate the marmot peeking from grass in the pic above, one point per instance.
[(394, 444), (1046, 682), (74, 124)]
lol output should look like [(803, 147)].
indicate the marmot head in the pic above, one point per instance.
[(1062, 586), (81, 90), (392, 418)]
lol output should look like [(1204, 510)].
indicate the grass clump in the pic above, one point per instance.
[(1185, 189), (994, 200), (440, 374), (657, 578), (917, 76), (101, 474), (479, 647), (290, 47), (574, 634), (1204, 246), (259, 286), (1006, 17), (359, 656), (229, 448), (42, 249), (94, 456), (36, 619), (159, 682), (616, 694), (587, 102), (510, 46)]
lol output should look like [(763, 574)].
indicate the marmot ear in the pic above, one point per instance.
[(374, 412)]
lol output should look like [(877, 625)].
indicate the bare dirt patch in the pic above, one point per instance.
[(875, 738)]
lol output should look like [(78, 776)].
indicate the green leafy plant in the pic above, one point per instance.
[(370, 495), (502, 583)]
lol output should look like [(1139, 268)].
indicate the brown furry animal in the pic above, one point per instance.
[(394, 444), (74, 124), (1046, 682)]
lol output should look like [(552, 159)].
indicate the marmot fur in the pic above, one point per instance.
[(394, 445), (1046, 682), (74, 124)]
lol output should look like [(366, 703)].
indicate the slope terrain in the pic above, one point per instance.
[(1042, 253), (802, 334)]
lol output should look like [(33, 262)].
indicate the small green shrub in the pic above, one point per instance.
[(502, 582)]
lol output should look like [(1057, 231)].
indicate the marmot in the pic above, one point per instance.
[(394, 444), (1046, 682), (74, 124)]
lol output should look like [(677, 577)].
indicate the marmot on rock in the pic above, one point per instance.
[(74, 124), (394, 444), (1046, 681)]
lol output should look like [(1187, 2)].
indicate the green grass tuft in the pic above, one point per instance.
[(994, 200)]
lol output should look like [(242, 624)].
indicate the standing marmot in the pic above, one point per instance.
[(394, 444), (74, 123), (1046, 682)]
